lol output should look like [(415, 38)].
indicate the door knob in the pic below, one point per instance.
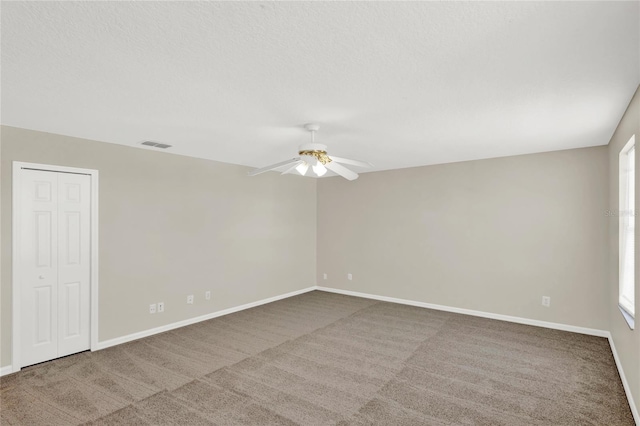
[(41, 277)]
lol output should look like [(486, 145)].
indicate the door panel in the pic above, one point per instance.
[(71, 307), (42, 229), (72, 238), (43, 191), (55, 259), (43, 320), (74, 262), (38, 259)]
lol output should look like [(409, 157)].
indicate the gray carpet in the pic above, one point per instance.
[(327, 359)]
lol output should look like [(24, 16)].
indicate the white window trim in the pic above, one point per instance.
[(624, 211)]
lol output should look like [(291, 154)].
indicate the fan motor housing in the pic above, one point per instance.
[(312, 147)]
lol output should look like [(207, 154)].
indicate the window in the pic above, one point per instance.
[(627, 229)]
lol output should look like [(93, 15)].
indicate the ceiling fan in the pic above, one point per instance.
[(314, 156)]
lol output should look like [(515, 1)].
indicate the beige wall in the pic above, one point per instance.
[(627, 341), (172, 225), (491, 235)]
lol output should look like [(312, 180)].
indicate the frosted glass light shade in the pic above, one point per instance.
[(302, 168), (319, 169)]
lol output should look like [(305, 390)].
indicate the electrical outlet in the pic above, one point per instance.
[(152, 308), (207, 295), (190, 299), (324, 276), (546, 301), (160, 306), (349, 277)]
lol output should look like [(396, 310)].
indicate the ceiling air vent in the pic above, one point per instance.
[(156, 144)]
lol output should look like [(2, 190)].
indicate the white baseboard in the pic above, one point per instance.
[(172, 326), (6, 370), (519, 320), (625, 384)]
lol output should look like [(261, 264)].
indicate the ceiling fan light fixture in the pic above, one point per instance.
[(319, 169), (314, 155), (302, 168)]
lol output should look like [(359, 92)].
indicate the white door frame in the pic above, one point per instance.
[(17, 279)]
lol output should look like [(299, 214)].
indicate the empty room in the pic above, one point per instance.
[(319, 213)]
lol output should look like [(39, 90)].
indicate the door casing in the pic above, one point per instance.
[(18, 166)]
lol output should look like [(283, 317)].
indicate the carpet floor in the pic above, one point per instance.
[(327, 359)]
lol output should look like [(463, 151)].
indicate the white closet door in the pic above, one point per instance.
[(55, 258), (39, 260), (74, 297)]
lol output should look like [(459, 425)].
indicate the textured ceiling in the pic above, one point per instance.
[(396, 84)]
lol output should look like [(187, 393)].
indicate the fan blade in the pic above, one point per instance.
[(273, 166), (341, 170), (292, 168), (352, 162)]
